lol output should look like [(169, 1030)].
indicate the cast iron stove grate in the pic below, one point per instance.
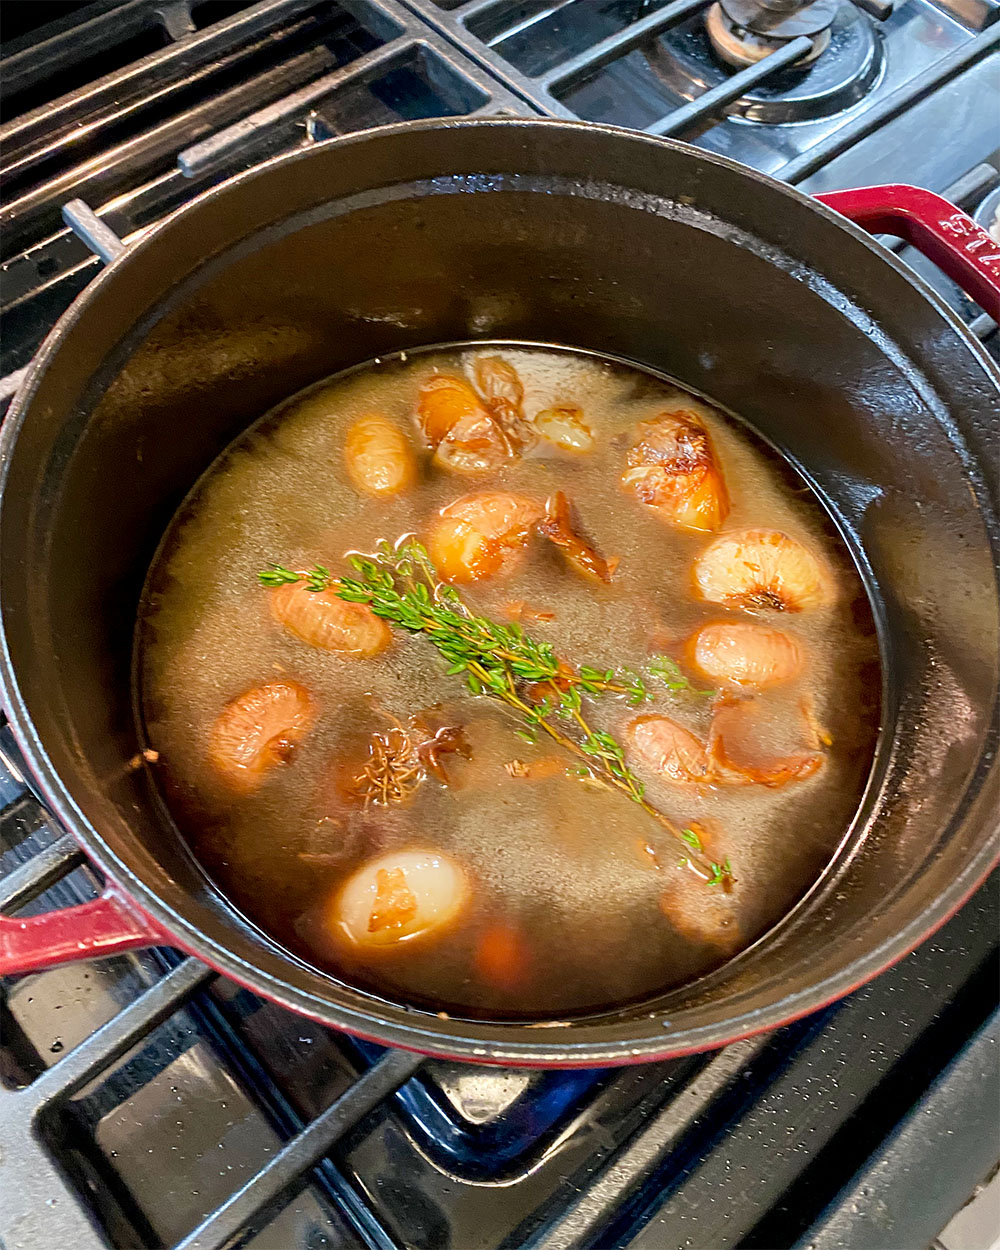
[(147, 1102), (210, 101)]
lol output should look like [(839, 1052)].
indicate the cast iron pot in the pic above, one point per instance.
[(765, 299)]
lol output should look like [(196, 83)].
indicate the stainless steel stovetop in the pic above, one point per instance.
[(145, 1102)]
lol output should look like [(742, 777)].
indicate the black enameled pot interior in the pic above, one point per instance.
[(577, 235)]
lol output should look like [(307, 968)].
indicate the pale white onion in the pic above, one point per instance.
[(322, 619), (762, 571), (400, 897), (746, 654), (565, 428)]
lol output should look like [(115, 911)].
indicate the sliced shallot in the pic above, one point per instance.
[(557, 525)]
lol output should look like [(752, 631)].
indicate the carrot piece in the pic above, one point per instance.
[(502, 957)]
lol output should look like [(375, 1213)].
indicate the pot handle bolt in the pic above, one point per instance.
[(943, 233)]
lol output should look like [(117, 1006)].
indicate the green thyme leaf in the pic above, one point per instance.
[(277, 575), (691, 838)]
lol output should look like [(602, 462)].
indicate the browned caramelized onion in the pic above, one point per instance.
[(476, 536), (503, 391), (673, 470), (461, 430)]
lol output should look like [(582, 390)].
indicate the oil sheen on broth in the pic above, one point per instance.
[(391, 827)]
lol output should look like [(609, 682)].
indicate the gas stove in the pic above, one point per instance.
[(147, 1102)]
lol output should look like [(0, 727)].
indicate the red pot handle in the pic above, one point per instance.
[(945, 235), (104, 926)]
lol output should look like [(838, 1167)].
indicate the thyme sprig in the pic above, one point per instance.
[(502, 662), (530, 661)]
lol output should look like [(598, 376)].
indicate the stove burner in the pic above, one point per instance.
[(689, 62), (745, 31)]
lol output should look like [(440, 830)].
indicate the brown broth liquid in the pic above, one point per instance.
[(559, 863)]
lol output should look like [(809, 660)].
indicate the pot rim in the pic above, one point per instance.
[(483, 1042)]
